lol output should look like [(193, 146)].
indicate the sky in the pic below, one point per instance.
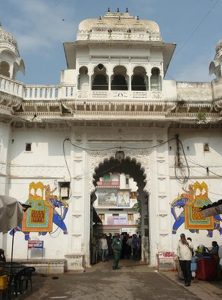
[(42, 26)]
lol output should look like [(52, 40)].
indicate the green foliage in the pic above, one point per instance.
[(201, 116)]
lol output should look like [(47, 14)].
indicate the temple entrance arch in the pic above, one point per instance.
[(120, 174)]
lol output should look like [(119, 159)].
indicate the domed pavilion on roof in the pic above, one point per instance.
[(10, 60), (118, 26)]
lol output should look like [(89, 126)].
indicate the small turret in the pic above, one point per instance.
[(216, 65), (10, 60)]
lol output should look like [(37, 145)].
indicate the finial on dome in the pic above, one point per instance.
[(127, 10), (108, 9), (117, 10), (218, 46)]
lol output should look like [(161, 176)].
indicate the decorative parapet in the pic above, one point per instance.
[(194, 91), (118, 35), (69, 92), (177, 101), (11, 87), (217, 90)]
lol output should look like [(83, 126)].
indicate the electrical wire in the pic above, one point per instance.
[(184, 170), (67, 166), (185, 178), (119, 147), (197, 27), (106, 149), (185, 157), (204, 167)]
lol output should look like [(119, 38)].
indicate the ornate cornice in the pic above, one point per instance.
[(146, 111), (10, 100)]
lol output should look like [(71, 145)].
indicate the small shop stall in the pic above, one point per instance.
[(206, 268), (207, 265)]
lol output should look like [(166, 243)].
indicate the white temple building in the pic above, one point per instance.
[(112, 110)]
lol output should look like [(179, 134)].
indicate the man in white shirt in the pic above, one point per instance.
[(103, 247), (184, 252)]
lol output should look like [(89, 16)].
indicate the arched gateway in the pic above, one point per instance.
[(121, 165)]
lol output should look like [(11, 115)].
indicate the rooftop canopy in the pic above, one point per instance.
[(118, 26)]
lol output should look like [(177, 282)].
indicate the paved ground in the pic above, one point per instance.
[(129, 283), (203, 289)]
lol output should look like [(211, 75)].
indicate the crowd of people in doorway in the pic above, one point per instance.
[(116, 247), (188, 256)]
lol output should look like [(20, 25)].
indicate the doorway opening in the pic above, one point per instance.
[(119, 205)]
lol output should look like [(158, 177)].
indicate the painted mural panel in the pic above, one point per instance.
[(190, 202), (123, 199), (115, 198), (107, 198), (39, 216), (46, 209)]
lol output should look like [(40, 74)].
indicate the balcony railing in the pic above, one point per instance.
[(11, 87), (69, 92), (108, 183), (148, 95)]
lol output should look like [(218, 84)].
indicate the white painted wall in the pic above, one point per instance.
[(193, 141), (46, 163)]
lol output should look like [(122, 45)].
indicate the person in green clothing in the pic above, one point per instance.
[(117, 249)]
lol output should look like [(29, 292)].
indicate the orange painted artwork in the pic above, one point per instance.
[(186, 209), (193, 216), (39, 218)]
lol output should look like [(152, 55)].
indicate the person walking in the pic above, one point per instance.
[(184, 252), (134, 246), (103, 247), (109, 242), (129, 244), (117, 249)]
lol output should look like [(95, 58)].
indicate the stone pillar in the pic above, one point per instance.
[(130, 81), (148, 79), (109, 74), (90, 73), (160, 237), (76, 256), (5, 140)]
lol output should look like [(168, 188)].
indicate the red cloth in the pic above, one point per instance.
[(206, 269)]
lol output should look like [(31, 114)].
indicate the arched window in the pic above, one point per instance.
[(100, 78), (155, 80), (83, 80), (4, 69), (139, 80), (119, 79)]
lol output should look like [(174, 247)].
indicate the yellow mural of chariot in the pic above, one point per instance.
[(39, 218), (190, 202)]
